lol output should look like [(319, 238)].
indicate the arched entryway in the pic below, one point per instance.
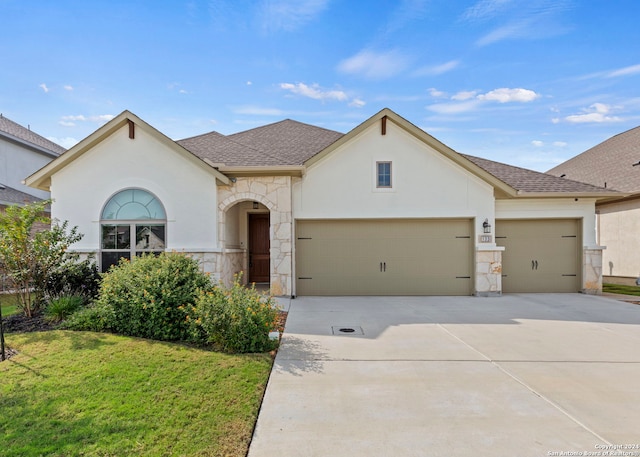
[(247, 242)]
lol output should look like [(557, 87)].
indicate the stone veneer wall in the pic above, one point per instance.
[(274, 192), (488, 272), (592, 271)]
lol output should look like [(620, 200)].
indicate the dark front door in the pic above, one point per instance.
[(259, 248)]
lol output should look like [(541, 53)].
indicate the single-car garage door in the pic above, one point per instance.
[(540, 255), (384, 257)]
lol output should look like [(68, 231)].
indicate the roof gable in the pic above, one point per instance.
[(610, 163), (41, 179)]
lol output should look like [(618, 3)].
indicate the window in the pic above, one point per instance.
[(133, 223), (383, 174)]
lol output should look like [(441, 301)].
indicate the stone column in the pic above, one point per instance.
[(592, 270), (488, 281)]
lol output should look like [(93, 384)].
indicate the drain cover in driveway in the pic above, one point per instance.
[(347, 330)]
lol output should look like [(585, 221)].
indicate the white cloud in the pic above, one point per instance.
[(435, 70), (357, 103), (632, 70), (258, 111), (314, 91), (465, 101), (530, 19), (537, 143), (70, 121), (68, 87), (464, 95), (505, 95), (596, 113), (375, 65), (44, 87), (249, 83), (503, 33), (437, 93), (485, 9), (290, 15), (560, 144), (66, 142), (454, 108)]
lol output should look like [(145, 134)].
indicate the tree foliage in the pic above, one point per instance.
[(28, 256)]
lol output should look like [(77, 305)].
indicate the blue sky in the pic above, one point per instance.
[(526, 82)]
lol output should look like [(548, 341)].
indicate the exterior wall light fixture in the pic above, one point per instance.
[(486, 226)]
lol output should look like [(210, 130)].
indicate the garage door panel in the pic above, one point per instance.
[(540, 255), (384, 257)]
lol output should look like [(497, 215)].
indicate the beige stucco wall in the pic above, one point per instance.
[(187, 191), (426, 184), (619, 231)]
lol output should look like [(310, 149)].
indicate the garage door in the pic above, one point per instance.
[(540, 255), (384, 257)]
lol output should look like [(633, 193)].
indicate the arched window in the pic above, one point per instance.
[(133, 222)]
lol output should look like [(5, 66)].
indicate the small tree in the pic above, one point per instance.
[(27, 257)]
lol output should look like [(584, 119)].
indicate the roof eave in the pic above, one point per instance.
[(29, 145), (595, 195), (270, 170)]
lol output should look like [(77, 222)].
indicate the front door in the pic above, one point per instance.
[(259, 247)]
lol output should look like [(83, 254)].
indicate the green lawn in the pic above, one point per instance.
[(91, 394), (618, 289), (8, 303)]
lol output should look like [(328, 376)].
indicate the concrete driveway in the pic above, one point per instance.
[(518, 375)]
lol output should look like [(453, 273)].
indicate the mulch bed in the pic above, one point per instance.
[(282, 320), (19, 323)]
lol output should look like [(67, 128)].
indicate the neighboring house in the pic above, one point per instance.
[(614, 164), (22, 152), (385, 209)]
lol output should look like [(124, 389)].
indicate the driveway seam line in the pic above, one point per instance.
[(526, 386)]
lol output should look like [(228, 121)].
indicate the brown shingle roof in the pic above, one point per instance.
[(284, 143), (609, 162), (219, 149), (290, 142), (10, 196), (525, 180), (15, 130)]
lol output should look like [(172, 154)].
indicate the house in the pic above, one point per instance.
[(614, 164), (385, 209), (22, 152)]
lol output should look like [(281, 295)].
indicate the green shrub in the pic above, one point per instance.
[(74, 278), (235, 320), (62, 307), (150, 296), (94, 318)]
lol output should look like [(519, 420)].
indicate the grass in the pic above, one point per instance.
[(91, 394), (620, 289), (9, 304)]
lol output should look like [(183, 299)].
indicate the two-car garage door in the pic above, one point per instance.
[(432, 257), (384, 257)]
